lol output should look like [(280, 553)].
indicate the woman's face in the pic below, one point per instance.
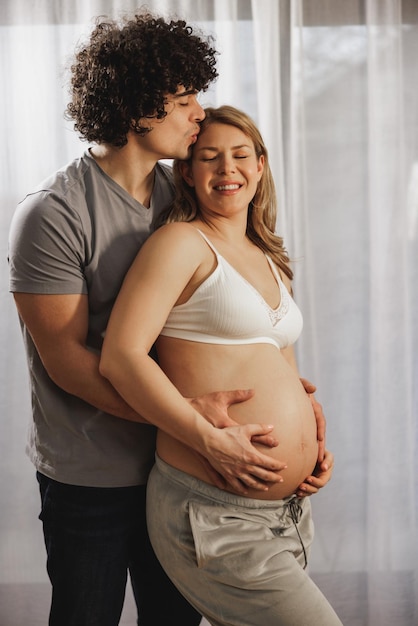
[(224, 170)]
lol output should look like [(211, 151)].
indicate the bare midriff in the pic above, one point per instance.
[(279, 399)]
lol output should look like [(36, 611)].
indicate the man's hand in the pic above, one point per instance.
[(320, 476), (319, 416), (214, 408)]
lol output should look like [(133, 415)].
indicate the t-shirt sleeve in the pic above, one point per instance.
[(46, 247)]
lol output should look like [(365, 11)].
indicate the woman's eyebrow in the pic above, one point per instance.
[(214, 148)]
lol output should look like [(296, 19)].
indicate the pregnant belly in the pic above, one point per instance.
[(279, 399), (288, 408)]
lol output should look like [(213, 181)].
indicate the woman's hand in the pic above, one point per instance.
[(230, 456), (320, 477)]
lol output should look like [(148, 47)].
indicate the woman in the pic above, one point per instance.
[(216, 280)]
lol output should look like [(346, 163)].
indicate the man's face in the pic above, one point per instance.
[(172, 136)]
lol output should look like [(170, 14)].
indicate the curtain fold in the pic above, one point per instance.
[(333, 87), (355, 146), (391, 422), (266, 24)]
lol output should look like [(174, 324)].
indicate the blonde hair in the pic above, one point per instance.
[(262, 211)]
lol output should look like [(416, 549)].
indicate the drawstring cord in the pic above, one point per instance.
[(295, 512)]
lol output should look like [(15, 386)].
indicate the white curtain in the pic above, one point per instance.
[(334, 89)]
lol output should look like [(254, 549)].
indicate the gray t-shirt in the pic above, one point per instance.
[(78, 233)]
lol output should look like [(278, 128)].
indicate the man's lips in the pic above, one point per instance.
[(195, 134)]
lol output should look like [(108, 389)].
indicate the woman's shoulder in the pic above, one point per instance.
[(178, 232), (177, 227), (173, 239)]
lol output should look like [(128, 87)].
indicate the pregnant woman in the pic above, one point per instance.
[(212, 288)]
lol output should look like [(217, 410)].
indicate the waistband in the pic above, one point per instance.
[(219, 495)]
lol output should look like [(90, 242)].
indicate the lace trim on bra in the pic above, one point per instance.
[(279, 313)]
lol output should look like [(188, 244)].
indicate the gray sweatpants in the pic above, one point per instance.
[(238, 560)]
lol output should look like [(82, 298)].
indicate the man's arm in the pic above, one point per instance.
[(58, 326)]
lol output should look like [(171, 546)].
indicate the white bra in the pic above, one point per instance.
[(227, 309)]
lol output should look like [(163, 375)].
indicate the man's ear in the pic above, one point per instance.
[(186, 172)]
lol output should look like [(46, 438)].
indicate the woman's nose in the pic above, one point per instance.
[(226, 164)]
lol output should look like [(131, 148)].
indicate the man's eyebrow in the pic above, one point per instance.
[(189, 92)]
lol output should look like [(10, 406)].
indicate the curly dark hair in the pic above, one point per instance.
[(125, 71)]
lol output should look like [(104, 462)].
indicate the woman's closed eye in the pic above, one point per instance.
[(213, 158)]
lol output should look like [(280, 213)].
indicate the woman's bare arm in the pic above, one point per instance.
[(150, 290)]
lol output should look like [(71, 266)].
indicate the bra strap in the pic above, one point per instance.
[(210, 244)]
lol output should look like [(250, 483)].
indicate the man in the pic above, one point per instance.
[(134, 88)]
